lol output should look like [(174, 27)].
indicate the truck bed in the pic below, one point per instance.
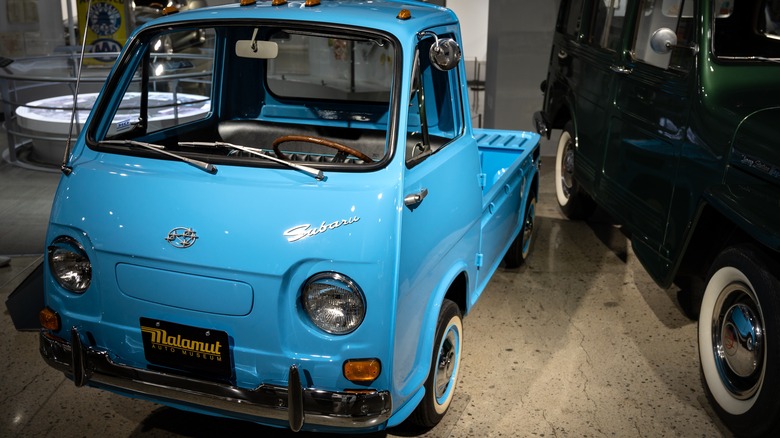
[(500, 150)]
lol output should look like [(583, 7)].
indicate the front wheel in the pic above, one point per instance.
[(574, 203), (739, 341), (445, 364)]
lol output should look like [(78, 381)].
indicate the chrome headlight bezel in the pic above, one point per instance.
[(69, 264), (333, 302)]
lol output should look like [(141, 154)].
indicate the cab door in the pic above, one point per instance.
[(442, 202), (649, 121)]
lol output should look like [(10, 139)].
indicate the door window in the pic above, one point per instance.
[(570, 21), (435, 109), (664, 32), (607, 25)]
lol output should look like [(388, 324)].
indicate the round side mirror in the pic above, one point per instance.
[(663, 40), (445, 54)]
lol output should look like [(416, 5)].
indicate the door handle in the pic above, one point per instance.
[(415, 198), (621, 69)]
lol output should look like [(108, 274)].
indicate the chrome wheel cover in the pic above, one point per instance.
[(446, 364), (528, 228), (567, 168), (738, 340)]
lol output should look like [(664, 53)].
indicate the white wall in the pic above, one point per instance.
[(473, 15)]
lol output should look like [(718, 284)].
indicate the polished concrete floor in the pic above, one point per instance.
[(578, 342)]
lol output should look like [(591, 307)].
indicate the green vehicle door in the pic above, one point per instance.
[(589, 63), (649, 124)]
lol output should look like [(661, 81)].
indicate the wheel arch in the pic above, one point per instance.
[(701, 249)]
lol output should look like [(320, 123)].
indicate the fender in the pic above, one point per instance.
[(745, 205), (425, 346)]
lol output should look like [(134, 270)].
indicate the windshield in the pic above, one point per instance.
[(315, 94), (747, 30)]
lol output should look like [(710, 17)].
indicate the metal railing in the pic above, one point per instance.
[(32, 79)]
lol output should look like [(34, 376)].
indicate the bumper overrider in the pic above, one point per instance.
[(294, 404)]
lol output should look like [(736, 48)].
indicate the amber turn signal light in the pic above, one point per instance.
[(49, 319), (362, 370), (405, 14)]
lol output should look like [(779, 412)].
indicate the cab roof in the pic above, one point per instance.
[(377, 14)]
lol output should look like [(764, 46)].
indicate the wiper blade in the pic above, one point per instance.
[(202, 165), (315, 173)]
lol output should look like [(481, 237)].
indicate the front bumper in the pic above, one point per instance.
[(294, 404)]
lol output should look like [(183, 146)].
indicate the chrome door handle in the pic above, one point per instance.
[(415, 198), (620, 69)]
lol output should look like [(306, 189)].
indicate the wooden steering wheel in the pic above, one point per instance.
[(341, 156)]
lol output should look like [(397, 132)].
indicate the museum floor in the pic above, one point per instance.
[(578, 342)]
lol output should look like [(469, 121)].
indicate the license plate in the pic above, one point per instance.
[(197, 350)]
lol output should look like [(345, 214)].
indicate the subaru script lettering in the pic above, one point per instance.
[(301, 232)]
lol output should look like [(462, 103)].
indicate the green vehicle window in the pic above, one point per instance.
[(571, 18), (607, 25), (675, 17), (747, 31)]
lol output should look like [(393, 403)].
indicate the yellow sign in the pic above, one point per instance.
[(160, 340), (108, 26)]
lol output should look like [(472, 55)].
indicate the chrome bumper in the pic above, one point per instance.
[(294, 404)]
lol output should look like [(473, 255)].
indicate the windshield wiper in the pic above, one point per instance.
[(315, 173), (202, 165)]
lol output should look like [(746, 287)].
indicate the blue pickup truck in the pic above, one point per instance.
[(279, 211)]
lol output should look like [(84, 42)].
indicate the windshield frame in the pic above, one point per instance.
[(139, 47)]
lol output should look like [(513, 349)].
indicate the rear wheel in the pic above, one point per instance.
[(521, 247), (574, 203), (739, 341), (443, 375)]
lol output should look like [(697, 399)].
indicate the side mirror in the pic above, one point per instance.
[(445, 54), (663, 40)]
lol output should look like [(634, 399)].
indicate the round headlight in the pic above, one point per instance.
[(333, 302), (69, 264)]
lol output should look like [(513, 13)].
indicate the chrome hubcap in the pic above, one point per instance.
[(738, 335), (445, 366), (528, 228), (567, 168)]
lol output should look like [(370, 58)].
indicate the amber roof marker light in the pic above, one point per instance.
[(312, 3), (170, 10), (278, 2), (249, 2), (405, 14)]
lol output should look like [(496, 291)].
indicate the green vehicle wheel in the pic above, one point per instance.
[(574, 203), (739, 347)]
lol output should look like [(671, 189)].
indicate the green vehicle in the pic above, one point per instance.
[(670, 119)]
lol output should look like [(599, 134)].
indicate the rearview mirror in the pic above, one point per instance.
[(256, 49)]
